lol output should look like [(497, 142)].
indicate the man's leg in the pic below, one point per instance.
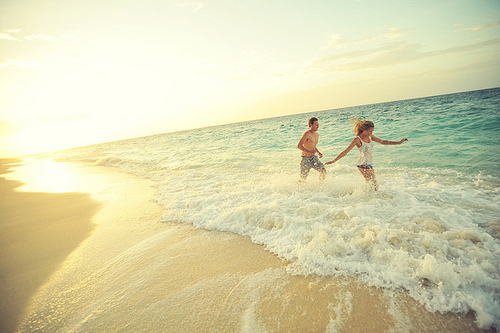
[(319, 167), (304, 168)]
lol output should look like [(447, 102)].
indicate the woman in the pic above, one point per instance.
[(363, 129)]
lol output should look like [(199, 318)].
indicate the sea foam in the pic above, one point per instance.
[(431, 229)]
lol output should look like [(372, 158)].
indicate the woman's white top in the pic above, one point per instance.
[(365, 153)]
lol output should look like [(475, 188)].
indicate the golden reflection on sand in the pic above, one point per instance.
[(46, 176)]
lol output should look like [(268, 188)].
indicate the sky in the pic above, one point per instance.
[(79, 72)]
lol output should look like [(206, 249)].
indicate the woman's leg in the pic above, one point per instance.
[(322, 174), (369, 175)]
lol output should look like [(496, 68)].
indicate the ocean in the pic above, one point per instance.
[(432, 229)]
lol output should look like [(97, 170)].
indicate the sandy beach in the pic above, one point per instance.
[(84, 250)]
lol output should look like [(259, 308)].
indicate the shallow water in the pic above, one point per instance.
[(432, 229)]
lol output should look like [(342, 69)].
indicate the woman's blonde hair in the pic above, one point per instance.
[(361, 125)]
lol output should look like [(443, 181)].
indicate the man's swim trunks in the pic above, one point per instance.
[(310, 162)]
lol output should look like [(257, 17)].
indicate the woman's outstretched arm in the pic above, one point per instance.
[(345, 152), (387, 142)]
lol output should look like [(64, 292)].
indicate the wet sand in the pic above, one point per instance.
[(37, 232), (98, 258)]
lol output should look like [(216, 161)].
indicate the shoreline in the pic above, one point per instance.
[(126, 270)]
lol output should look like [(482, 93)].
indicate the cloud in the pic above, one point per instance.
[(48, 38), (337, 41), (479, 27), (41, 37), (355, 60), (193, 5), (7, 36), (392, 53), (394, 33)]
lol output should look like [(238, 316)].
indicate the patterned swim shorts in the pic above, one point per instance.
[(310, 162)]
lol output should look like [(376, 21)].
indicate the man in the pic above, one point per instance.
[(308, 144)]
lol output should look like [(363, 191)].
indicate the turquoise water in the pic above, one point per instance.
[(433, 227)]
